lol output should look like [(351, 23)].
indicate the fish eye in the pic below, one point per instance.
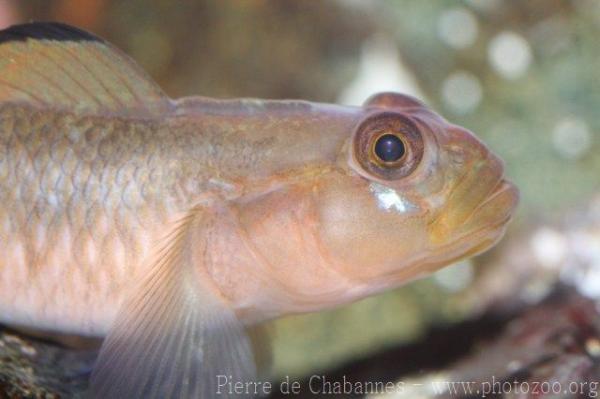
[(389, 148), (387, 145)]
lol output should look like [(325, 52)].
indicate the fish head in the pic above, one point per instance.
[(414, 193), (406, 194)]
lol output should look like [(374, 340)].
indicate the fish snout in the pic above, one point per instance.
[(479, 198)]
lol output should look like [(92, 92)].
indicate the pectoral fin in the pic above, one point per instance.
[(56, 66), (175, 336)]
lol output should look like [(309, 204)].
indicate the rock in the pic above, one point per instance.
[(545, 350), (34, 368), (550, 351)]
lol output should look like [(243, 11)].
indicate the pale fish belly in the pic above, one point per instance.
[(82, 203)]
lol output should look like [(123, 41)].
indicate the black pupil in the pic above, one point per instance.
[(389, 148)]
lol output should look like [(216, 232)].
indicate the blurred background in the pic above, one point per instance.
[(523, 75)]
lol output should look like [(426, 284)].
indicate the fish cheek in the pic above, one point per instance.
[(281, 230), (364, 238)]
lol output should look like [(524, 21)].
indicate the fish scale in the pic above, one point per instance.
[(52, 180)]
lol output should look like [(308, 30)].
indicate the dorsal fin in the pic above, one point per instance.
[(57, 66)]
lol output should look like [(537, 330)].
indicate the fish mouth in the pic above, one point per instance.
[(487, 224), (475, 207), (479, 228), (502, 201), (481, 231), (485, 227)]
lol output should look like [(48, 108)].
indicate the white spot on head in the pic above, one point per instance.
[(510, 55), (388, 199)]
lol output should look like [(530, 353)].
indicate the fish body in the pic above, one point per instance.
[(170, 225), (83, 191)]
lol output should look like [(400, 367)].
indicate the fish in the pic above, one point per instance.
[(167, 226)]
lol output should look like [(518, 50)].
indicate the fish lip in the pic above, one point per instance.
[(489, 234), (502, 186), (499, 225), (473, 242), (505, 185), (478, 241), (481, 241)]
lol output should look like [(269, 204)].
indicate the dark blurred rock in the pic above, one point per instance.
[(33, 368), (534, 352), (550, 351), (542, 347)]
